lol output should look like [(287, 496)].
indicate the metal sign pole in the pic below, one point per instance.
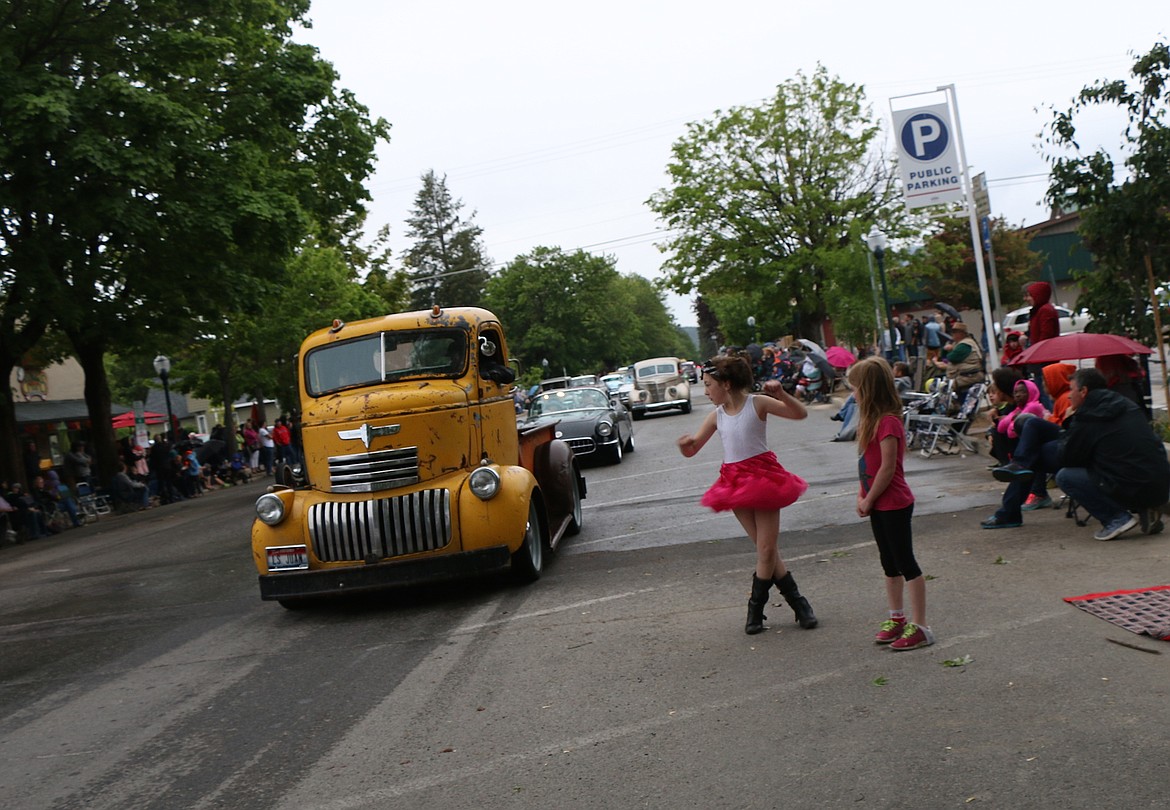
[(992, 360)]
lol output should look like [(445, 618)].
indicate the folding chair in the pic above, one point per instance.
[(917, 405), (940, 433)]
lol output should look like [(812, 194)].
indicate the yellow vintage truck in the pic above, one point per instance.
[(414, 468)]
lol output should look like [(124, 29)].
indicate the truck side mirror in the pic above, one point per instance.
[(501, 375)]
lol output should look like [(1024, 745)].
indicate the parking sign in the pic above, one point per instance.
[(927, 158)]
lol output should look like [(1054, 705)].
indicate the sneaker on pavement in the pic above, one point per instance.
[(1116, 528), (891, 630), (1036, 502), (995, 523), (1011, 472), (913, 637)]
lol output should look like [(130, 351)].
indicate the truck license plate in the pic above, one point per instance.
[(287, 558)]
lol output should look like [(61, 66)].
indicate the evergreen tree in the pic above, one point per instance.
[(446, 263)]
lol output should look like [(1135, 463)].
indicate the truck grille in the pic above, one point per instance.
[(372, 472), (390, 527)]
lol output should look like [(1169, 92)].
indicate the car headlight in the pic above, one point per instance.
[(269, 509), (484, 483), (604, 428)]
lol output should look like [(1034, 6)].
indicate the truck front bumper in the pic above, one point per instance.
[(376, 576)]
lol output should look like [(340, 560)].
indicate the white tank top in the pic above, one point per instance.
[(743, 435)]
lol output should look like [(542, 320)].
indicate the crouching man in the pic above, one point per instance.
[(1111, 461)]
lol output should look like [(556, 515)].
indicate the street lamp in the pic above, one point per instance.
[(877, 243), (162, 367), (751, 322)]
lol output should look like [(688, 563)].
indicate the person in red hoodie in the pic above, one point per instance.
[(1043, 323)]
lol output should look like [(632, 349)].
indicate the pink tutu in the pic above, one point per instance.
[(758, 482)]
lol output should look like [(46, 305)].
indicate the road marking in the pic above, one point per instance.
[(468, 628), (507, 763)]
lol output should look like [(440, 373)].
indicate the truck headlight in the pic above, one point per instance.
[(484, 483), (269, 509), (604, 428)]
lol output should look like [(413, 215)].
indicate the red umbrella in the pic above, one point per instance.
[(1077, 347), (839, 358), (126, 420)]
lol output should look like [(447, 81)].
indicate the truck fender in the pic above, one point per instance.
[(561, 483)]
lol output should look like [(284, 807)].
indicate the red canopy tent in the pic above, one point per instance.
[(126, 420)]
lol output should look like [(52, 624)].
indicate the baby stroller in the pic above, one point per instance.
[(815, 383)]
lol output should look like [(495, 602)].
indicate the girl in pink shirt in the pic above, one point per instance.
[(885, 498), (752, 484)]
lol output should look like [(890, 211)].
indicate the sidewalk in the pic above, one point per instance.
[(115, 518)]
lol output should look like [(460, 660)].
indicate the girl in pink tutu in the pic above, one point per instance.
[(752, 484)]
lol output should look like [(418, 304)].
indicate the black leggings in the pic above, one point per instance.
[(895, 543)]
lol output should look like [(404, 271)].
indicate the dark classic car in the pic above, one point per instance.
[(589, 420)]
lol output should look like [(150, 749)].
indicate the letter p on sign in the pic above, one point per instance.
[(925, 136)]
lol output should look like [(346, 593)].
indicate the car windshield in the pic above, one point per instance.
[(568, 399), (386, 356), (656, 369)]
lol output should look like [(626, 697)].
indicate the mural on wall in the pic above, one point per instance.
[(34, 385)]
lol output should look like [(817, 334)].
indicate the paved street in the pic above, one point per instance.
[(139, 669)]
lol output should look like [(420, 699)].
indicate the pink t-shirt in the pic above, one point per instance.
[(897, 495)]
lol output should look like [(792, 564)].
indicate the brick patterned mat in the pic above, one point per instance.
[(1145, 611)]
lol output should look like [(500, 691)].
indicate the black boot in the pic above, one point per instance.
[(799, 605), (759, 598)]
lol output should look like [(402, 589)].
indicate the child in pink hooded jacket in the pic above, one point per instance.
[(1027, 397)]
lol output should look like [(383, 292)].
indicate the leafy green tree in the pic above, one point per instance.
[(768, 197), (577, 312), (249, 353), (446, 262), (1124, 201), (160, 159), (945, 267), (647, 328)]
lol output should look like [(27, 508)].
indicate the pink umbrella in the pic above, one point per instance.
[(839, 358)]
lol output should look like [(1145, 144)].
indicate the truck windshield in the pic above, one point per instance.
[(386, 357)]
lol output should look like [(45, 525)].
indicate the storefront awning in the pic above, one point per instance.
[(58, 410)]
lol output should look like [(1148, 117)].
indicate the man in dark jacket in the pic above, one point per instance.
[(1111, 461)]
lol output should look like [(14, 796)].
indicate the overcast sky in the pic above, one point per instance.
[(553, 121)]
